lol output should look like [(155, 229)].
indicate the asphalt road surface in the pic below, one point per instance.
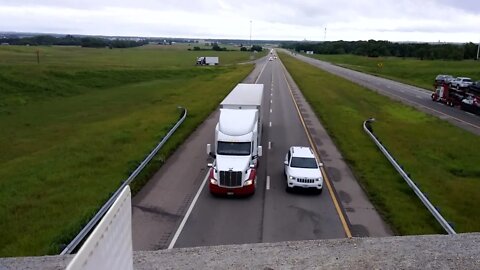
[(417, 97), (271, 214), (175, 209)]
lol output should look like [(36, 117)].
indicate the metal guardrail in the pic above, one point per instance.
[(94, 221), (368, 129)]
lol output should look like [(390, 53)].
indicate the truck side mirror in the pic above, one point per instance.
[(259, 151), (320, 164), (209, 149), (210, 165)]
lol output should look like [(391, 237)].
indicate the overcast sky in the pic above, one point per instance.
[(394, 20)]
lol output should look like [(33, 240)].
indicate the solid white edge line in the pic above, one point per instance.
[(268, 183), (185, 218)]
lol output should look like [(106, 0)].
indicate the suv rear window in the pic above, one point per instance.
[(300, 162)]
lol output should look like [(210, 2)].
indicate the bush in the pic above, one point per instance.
[(256, 48)]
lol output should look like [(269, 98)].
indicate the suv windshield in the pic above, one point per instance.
[(234, 148), (300, 162)]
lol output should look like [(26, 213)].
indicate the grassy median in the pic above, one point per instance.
[(442, 159), (75, 125), (411, 71)]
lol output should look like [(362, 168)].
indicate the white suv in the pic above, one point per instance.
[(302, 169), (461, 82)]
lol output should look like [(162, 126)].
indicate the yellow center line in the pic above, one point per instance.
[(314, 147)]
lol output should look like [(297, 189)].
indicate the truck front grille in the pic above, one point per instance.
[(303, 180), (230, 179)]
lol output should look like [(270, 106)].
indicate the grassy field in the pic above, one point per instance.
[(75, 125), (416, 72), (442, 159)]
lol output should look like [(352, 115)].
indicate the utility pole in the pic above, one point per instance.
[(325, 35), (478, 49), (250, 32)]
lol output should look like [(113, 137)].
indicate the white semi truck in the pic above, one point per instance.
[(207, 60), (237, 142)]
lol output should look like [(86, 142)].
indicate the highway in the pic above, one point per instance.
[(417, 97), (271, 214), (175, 209)]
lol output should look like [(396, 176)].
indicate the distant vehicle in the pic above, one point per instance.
[(475, 87), (448, 95), (207, 60), (471, 104), (440, 79), (461, 82), (302, 169), (274, 57), (237, 142)]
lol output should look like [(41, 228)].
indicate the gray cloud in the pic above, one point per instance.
[(280, 19)]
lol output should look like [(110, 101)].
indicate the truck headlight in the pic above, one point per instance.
[(248, 182), (213, 181), (291, 178)]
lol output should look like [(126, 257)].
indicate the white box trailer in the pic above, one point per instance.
[(207, 60), (237, 141)]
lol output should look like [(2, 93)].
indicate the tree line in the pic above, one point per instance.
[(69, 40), (216, 47), (374, 48)]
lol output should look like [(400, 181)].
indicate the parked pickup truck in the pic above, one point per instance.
[(461, 82)]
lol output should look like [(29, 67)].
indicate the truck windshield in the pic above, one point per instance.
[(234, 148), (298, 162)]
